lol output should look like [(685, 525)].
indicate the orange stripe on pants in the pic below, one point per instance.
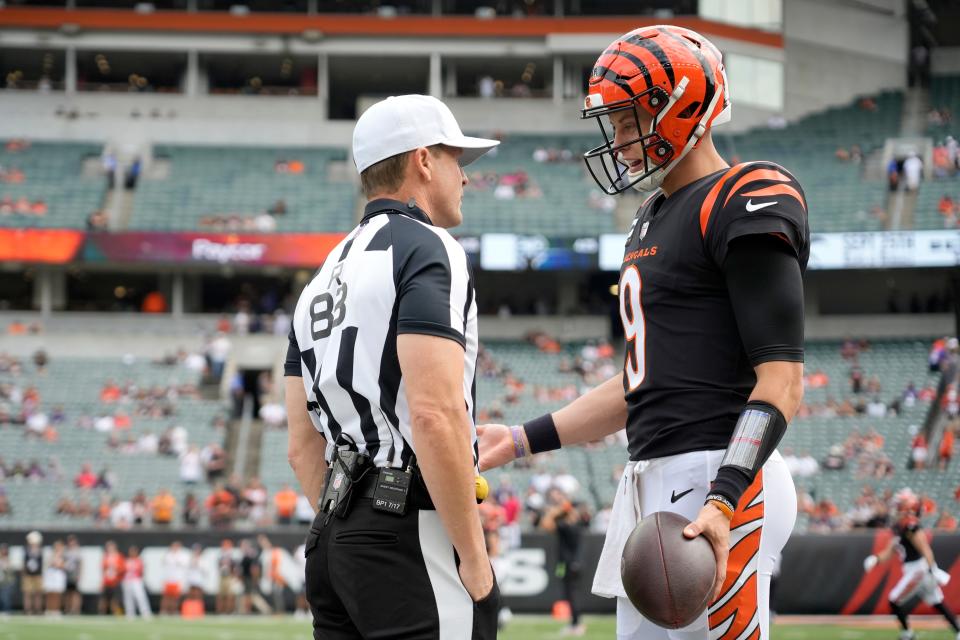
[(743, 605)]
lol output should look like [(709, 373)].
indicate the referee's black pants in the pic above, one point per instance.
[(375, 575)]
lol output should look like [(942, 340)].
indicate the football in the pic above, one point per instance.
[(668, 578)]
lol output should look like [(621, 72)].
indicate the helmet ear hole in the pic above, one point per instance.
[(690, 110)]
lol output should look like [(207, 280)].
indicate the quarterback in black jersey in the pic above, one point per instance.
[(711, 300), (922, 578)]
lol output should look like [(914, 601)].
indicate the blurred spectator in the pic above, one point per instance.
[(163, 507), (191, 466), (273, 557), (909, 396), (31, 581), (134, 594), (876, 408), (214, 460), (250, 574), (217, 351), (133, 172), (825, 517), (106, 479), (274, 415), (913, 171), (175, 563), (98, 221), (856, 379), (141, 507), (192, 510), (196, 574), (285, 503), (221, 507), (86, 479), (8, 578), (110, 392), (281, 322), (112, 567), (945, 452), (255, 501), (227, 569), (55, 579), (803, 466), (918, 452), (241, 319), (121, 514), (486, 86), (73, 565), (893, 174), (41, 360), (264, 223), (835, 460), (567, 521), (817, 379)]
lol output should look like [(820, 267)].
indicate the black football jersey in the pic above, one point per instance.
[(686, 374), (904, 526)]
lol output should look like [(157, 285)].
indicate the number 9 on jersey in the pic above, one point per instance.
[(631, 314)]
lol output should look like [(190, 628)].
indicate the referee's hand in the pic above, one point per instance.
[(496, 445), (477, 577)]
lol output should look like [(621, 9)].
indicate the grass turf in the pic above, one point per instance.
[(285, 628)]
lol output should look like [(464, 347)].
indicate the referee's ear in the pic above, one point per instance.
[(421, 164)]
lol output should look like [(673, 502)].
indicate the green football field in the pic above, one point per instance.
[(520, 628)]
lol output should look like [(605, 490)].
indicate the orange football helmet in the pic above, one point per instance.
[(907, 502), (677, 77)]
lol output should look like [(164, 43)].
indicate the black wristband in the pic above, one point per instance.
[(730, 483), (542, 434)]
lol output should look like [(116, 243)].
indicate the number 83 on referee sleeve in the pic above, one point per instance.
[(634, 328)]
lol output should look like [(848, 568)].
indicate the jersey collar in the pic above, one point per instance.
[(388, 205)]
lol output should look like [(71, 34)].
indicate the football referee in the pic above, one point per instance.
[(380, 396)]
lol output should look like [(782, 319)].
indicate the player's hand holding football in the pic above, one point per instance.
[(496, 445), (714, 525)]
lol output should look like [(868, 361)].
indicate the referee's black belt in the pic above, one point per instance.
[(418, 498)]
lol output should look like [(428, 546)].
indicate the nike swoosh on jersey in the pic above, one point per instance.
[(674, 496), (756, 207)]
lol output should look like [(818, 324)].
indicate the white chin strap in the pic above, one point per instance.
[(655, 179)]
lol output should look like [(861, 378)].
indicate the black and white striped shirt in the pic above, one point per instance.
[(395, 273)]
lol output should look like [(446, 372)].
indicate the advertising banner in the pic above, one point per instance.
[(279, 249), (49, 246)]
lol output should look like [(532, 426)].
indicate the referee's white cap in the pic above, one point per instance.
[(404, 123)]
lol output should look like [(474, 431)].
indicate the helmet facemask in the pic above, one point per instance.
[(605, 163)]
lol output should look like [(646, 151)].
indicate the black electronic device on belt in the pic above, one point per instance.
[(393, 488), (346, 468)]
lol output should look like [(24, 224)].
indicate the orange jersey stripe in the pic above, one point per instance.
[(707, 208), (752, 176)]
